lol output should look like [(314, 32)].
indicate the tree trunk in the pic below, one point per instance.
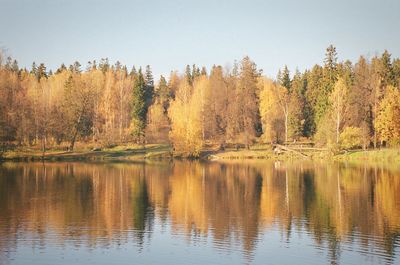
[(120, 112), (286, 127), (43, 146), (337, 128), (71, 146), (375, 138), (120, 127)]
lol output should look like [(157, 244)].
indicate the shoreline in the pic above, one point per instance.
[(118, 153), (164, 152)]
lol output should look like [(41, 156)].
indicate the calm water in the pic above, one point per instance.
[(199, 213)]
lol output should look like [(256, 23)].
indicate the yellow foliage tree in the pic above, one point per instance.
[(157, 123), (271, 118), (187, 114), (387, 123), (337, 100), (351, 137)]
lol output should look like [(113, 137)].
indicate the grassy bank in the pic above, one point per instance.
[(379, 155), (164, 152), (140, 153), (265, 151), (391, 155), (118, 153), (255, 152)]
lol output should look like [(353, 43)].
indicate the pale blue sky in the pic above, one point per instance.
[(170, 34)]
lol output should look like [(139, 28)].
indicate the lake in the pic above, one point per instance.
[(256, 212)]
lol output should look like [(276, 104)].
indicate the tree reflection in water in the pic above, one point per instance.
[(233, 204)]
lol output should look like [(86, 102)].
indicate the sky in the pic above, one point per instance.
[(170, 34)]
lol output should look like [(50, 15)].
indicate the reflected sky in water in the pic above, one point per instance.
[(199, 213)]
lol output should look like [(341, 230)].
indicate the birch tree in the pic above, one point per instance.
[(337, 100)]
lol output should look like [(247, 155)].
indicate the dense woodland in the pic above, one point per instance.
[(337, 104)]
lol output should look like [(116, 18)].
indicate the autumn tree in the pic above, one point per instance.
[(104, 104), (388, 120), (248, 118), (185, 114), (107, 106), (78, 108), (216, 106), (97, 80), (157, 119), (351, 137), (8, 107), (283, 96), (123, 87), (271, 115), (337, 100), (163, 93), (56, 87), (290, 95), (359, 106), (157, 128)]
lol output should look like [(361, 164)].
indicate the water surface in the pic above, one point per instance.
[(199, 213)]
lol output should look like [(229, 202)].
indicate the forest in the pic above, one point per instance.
[(338, 104)]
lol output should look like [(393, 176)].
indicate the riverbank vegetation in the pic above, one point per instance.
[(336, 105), (130, 152), (164, 152)]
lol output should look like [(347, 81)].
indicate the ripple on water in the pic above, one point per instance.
[(198, 213)]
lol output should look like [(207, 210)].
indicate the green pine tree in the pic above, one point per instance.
[(34, 69), (324, 89), (133, 72), (188, 75), (149, 81), (41, 72), (203, 71), (386, 70), (330, 64), (139, 108), (104, 65), (284, 78), (163, 93), (61, 69), (14, 66)]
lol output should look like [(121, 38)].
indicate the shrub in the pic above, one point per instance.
[(326, 134), (351, 137)]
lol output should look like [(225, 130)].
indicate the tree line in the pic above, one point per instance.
[(336, 104)]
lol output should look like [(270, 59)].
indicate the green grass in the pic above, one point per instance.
[(134, 152), (263, 152), (378, 155), (255, 152), (118, 153)]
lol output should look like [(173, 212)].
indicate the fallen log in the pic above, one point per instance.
[(288, 149), (309, 148)]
